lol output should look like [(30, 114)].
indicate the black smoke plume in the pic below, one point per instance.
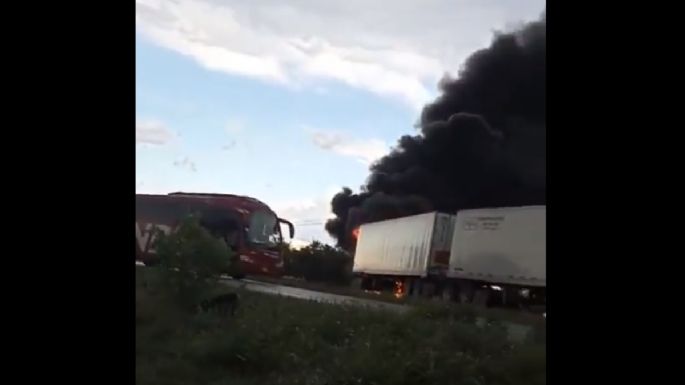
[(481, 142)]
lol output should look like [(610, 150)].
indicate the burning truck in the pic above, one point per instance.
[(248, 226), (494, 257)]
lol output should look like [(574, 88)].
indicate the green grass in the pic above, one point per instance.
[(276, 340)]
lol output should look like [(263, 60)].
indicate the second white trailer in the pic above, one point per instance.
[(499, 255), (501, 245)]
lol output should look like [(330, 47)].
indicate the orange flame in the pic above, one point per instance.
[(399, 289)]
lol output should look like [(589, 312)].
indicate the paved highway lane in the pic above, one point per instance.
[(294, 292), (517, 332)]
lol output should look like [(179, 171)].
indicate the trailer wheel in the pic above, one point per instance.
[(428, 289), (366, 283), (448, 292), (357, 282), (510, 297), (415, 288), (482, 297), (465, 291)]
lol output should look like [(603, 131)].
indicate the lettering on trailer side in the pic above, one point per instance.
[(470, 225), (484, 223), (146, 235)]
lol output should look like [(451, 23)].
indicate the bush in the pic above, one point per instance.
[(319, 262), (278, 340), (191, 260)]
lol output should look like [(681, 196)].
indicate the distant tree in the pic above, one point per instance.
[(319, 262)]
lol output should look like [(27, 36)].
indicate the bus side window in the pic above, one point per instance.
[(226, 229)]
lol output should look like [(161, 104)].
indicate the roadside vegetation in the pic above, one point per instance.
[(318, 263), (275, 340)]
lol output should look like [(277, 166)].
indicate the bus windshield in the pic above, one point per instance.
[(263, 230)]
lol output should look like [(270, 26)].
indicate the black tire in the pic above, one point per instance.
[(482, 297), (356, 282), (365, 283), (465, 292), (430, 289), (416, 288), (151, 263), (448, 293)]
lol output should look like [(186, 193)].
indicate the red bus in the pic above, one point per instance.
[(248, 226)]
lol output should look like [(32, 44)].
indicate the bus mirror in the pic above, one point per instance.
[(291, 227)]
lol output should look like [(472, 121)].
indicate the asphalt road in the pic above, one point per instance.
[(517, 332), (294, 292)]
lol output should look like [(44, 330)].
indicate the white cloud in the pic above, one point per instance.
[(309, 216), (365, 151), (396, 48), (152, 132)]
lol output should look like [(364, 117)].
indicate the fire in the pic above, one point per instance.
[(355, 233), (399, 291)]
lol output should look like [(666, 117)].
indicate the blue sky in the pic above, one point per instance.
[(288, 103)]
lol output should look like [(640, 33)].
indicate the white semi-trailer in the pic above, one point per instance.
[(499, 254), (487, 256), (404, 253)]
